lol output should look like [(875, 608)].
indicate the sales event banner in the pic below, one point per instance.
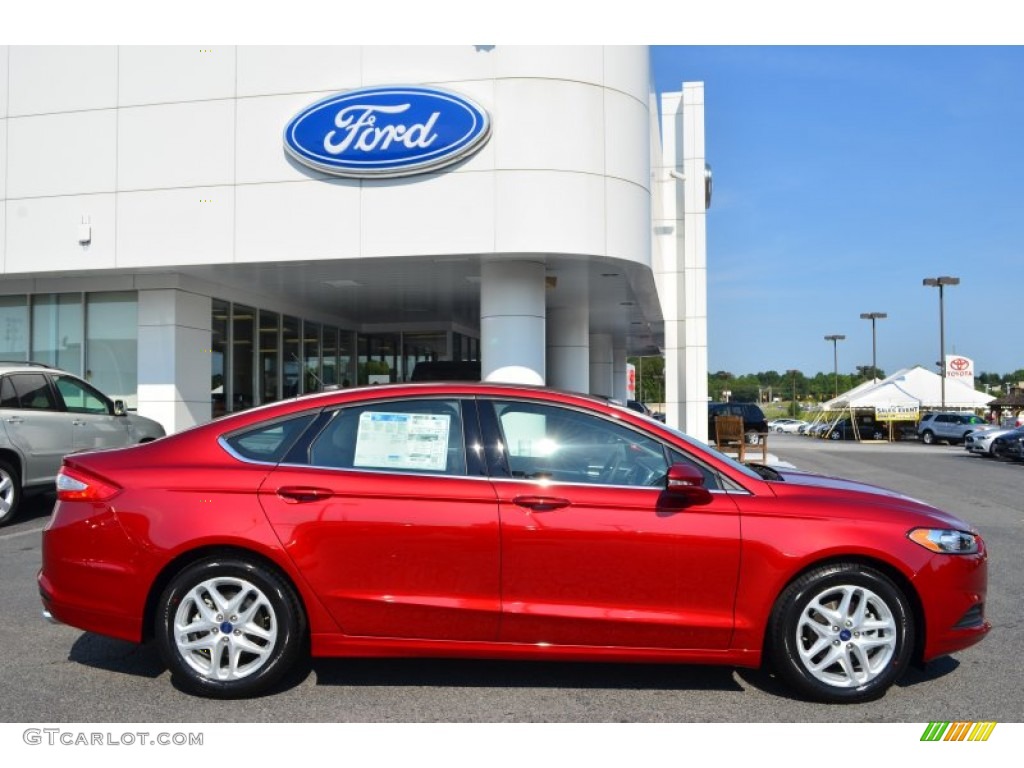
[(897, 413)]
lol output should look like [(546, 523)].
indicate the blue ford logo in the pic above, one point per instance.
[(387, 131)]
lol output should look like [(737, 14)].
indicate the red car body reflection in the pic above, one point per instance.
[(497, 521)]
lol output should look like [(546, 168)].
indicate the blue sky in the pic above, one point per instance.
[(845, 175)]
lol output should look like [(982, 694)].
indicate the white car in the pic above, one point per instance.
[(980, 440), (787, 425)]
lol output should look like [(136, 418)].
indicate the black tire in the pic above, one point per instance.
[(928, 437), (836, 662), (10, 493), (264, 632), (835, 434), (752, 437)]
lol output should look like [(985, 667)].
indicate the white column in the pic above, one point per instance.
[(568, 353), (512, 321), (619, 391), (601, 364), (174, 358)]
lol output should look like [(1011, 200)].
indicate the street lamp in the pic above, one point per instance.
[(835, 338), (940, 283), (873, 316)]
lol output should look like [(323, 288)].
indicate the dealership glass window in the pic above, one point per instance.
[(112, 344), (13, 328), (218, 356), (243, 323), (270, 356), (346, 357), (420, 347), (291, 348), (330, 357), (378, 358), (312, 378), (57, 330)]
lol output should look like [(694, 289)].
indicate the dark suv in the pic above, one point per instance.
[(754, 422)]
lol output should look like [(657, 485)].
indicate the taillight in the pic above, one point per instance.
[(79, 485)]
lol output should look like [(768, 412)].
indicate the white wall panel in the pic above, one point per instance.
[(278, 69), (61, 78), (4, 52), (177, 226), (61, 154), (177, 145), (42, 234), (445, 213), (627, 145), (297, 221), (548, 212), (3, 237), (157, 74), (581, 63), (628, 222), (549, 124), (428, 64), (3, 158), (260, 138), (627, 68)]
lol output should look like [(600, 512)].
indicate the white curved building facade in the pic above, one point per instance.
[(157, 238)]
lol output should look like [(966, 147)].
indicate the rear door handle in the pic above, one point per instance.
[(541, 503), (295, 494)]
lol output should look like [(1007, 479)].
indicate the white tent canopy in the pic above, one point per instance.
[(910, 386)]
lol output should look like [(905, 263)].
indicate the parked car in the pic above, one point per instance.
[(47, 413), (786, 425), (980, 440), (497, 521), (1009, 445), (636, 405), (754, 423), (845, 429), (951, 427)]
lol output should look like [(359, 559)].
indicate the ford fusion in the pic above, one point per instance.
[(497, 521)]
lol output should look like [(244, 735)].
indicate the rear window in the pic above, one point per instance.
[(269, 442)]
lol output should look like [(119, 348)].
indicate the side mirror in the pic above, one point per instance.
[(119, 409), (687, 482)]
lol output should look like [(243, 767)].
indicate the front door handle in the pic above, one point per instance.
[(541, 503), (295, 494)]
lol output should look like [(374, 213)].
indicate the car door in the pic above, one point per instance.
[(593, 550), (35, 425), (393, 522), (93, 423)]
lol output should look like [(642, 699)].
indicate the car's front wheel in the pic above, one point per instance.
[(10, 492), (842, 633), (928, 437), (229, 627)]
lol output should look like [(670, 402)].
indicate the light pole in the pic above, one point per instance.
[(940, 283), (835, 338), (873, 316)]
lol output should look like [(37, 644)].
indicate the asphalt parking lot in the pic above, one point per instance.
[(59, 674)]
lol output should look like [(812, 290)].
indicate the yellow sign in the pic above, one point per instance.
[(897, 413)]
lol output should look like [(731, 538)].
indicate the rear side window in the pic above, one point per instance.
[(28, 390), (269, 442)]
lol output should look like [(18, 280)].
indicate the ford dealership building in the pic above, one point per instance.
[(201, 230)]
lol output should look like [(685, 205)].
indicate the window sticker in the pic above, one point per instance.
[(403, 441)]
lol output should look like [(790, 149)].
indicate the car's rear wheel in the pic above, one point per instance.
[(842, 633), (10, 492), (753, 438), (229, 627), (927, 437), (835, 434)]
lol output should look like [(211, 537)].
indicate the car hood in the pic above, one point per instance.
[(853, 493)]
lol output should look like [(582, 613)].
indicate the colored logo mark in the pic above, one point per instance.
[(958, 731)]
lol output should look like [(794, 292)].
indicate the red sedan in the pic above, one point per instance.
[(497, 521)]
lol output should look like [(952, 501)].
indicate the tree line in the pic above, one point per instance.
[(766, 386)]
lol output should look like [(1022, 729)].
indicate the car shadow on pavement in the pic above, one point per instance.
[(521, 674), (117, 656)]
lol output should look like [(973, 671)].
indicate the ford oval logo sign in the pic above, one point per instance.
[(387, 131)]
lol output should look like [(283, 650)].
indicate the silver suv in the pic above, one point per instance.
[(951, 427), (46, 413)]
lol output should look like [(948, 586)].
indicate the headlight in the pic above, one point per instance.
[(945, 541)]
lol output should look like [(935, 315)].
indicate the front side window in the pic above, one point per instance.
[(410, 436), (546, 442), (79, 397)]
